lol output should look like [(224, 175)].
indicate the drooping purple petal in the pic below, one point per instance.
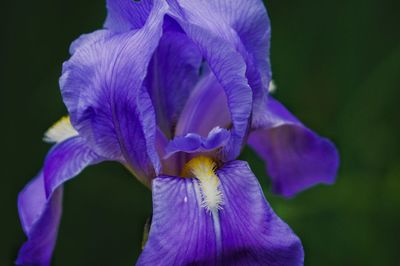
[(172, 75), (39, 203), (194, 143), (243, 24), (229, 69), (40, 219), (102, 87), (245, 231), (206, 108), (296, 157)]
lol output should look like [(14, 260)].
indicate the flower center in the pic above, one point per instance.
[(203, 169)]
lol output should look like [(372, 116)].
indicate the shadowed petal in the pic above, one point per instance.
[(245, 231), (39, 203), (174, 68), (191, 143), (296, 157), (229, 70), (102, 87), (244, 25), (172, 75), (206, 108)]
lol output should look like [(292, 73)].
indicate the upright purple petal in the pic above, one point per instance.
[(296, 157), (172, 75), (174, 68), (244, 24), (39, 203), (229, 69), (102, 87), (245, 231), (222, 55)]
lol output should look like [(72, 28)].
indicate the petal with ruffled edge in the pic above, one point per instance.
[(245, 231), (244, 25), (39, 203), (102, 87), (194, 143), (296, 157)]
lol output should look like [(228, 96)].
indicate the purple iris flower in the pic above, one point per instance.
[(173, 90)]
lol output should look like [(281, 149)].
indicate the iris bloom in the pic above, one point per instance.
[(173, 90)]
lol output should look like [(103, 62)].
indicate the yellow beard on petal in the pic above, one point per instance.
[(203, 169)]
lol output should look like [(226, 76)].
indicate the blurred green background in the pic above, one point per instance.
[(337, 67)]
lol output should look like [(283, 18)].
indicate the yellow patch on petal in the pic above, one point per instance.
[(203, 169), (60, 131)]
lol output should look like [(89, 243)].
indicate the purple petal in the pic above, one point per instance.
[(191, 143), (102, 89), (172, 75), (89, 39), (245, 231), (244, 25), (296, 157), (39, 203), (217, 137), (229, 69), (206, 109), (125, 15), (40, 219), (65, 161)]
